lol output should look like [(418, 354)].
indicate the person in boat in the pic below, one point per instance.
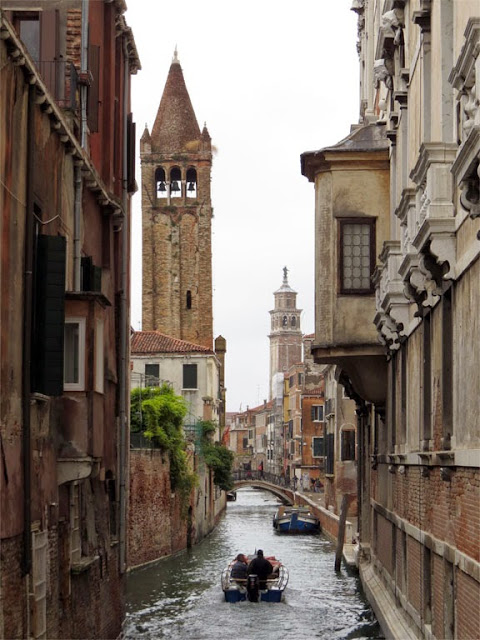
[(261, 567), (239, 568)]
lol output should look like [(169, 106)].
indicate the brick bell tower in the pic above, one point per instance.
[(176, 161), (285, 335)]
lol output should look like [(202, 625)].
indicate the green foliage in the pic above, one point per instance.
[(159, 413), (217, 457)]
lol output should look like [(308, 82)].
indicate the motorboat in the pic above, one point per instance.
[(236, 589), (296, 519), (231, 496)]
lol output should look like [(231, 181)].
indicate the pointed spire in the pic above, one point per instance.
[(175, 124)]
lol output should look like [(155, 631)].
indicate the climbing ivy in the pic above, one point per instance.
[(217, 457)]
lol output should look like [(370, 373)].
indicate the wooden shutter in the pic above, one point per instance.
[(94, 88), (49, 52), (49, 318), (330, 453), (131, 133)]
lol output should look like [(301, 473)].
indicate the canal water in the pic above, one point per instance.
[(181, 598)]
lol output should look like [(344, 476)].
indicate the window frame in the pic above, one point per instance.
[(316, 409), (82, 326), (99, 381), (189, 388), (314, 438), (371, 222), (346, 445)]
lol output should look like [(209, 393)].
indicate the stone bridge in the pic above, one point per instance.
[(266, 481)]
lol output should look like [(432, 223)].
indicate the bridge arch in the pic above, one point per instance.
[(286, 495)]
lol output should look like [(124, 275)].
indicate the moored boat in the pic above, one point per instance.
[(296, 519), (231, 496), (236, 589)]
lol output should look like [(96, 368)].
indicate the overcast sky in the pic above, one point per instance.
[(271, 79)]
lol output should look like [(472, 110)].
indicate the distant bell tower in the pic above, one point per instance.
[(285, 334), (176, 160)]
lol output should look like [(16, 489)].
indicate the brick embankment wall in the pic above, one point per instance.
[(155, 528)]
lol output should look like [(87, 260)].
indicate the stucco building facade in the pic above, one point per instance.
[(397, 230), (65, 293)]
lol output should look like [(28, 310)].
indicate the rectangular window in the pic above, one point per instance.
[(447, 363), (48, 314), (403, 394), (244, 443), (317, 447), (291, 382), (152, 375), (99, 356), (427, 378), (393, 403), (300, 379), (317, 413), (357, 255), (74, 355), (348, 444), (330, 453), (75, 535), (27, 24), (39, 579), (189, 376)]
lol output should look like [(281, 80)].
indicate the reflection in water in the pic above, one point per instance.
[(181, 597)]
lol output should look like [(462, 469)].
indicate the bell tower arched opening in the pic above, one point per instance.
[(160, 183), (191, 183)]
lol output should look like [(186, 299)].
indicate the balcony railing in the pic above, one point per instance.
[(61, 79)]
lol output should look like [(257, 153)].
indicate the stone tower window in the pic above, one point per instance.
[(189, 299), (293, 321), (175, 183), (285, 321), (191, 183), (160, 183)]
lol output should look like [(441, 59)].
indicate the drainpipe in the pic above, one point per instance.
[(124, 320), (27, 339), (78, 184)]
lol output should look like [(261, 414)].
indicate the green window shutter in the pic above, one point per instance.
[(189, 376), (49, 316)]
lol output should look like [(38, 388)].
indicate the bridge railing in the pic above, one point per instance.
[(266, 476)]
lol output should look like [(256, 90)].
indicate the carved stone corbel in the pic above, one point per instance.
[(425, 293), (470, 196)]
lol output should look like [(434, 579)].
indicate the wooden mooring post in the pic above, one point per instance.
[(341, 531)]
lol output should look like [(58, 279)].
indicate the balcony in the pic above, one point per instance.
[(352, 189), (62, 81)]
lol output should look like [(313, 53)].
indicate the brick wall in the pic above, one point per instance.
[(468, 606), (155, 528), (438, 581), (12, 588), (414, 573), (384, 546)]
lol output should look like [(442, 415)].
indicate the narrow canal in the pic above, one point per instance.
[(181, 597)]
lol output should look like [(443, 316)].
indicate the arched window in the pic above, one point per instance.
[(160, 183), (285, 321), (293, 321), (191, 183), (175, 183)]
